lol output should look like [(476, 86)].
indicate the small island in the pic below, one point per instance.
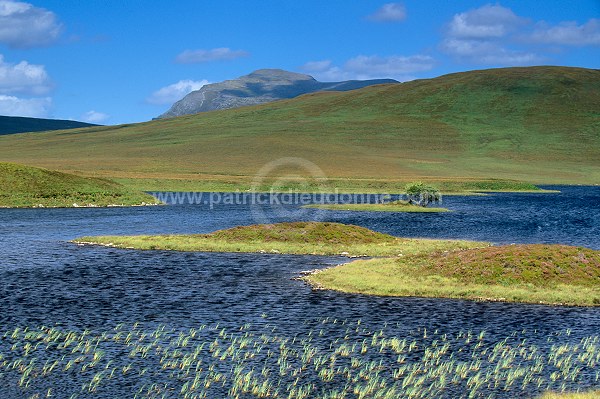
[(419, 194), (313, 238), (533, 273)]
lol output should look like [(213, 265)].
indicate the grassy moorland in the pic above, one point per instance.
[(550, 274), (210, 183), (317, 238), (25, 186), (535, 124)]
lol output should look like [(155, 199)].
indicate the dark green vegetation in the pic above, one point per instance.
[(551, 274), (537, 124), (422, 194), (17, 124), (25, 186), (335, 359), (318, 238)]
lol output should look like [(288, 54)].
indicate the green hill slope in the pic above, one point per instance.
[(539, 124), (17, 124), (25, 186)]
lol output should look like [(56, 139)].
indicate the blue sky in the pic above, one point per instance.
[(114, 62)]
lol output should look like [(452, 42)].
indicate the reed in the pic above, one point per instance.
[(335, 359)]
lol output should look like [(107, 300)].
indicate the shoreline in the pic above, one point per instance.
[(549, 274), (74, 206), (555, 275)]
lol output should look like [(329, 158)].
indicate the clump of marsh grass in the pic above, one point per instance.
[(335, 359)]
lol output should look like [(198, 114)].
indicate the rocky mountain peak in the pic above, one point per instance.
[(258, 87)]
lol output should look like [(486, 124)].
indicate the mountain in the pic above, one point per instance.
[(259, 87), (538, 124), (17, 124)]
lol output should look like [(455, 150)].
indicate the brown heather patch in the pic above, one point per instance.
[(304, 232), (538, 264)]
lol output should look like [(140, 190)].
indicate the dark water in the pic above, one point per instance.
[(45, 280)]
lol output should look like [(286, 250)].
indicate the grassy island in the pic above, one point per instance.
[(532, 273), (549, 274), (318, 238), (26, 187), (395, 206)]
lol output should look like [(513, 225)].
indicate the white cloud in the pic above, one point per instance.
[(389, 66), (24, 26), (217, 54), (486, 35), (32, 107), (23, 78), (485, 22), (175, 92), (568, 33), (94, 117), (325, 71), (489, 52), (389, 12), (371, 67), (495, 35)]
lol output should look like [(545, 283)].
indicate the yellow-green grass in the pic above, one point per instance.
[(220, 183), (26, 186), (316, 238), (536, 273), (571, 395), (534, 124), (395, 206)]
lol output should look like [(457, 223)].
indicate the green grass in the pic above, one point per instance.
[(396, 206), (534, 124), (318, 238), (549, 274), (219, 183), (571, 395), (25, 186)]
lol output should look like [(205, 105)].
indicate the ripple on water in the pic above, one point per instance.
[(45, 280)]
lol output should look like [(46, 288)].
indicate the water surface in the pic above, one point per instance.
[(45, 280)]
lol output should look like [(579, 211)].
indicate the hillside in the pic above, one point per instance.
[(17, 124), (25, 186), (538, 124), (259, 87)]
